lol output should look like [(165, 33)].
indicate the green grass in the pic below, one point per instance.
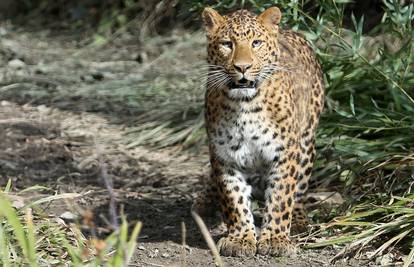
[(29, 239), (384, 226)]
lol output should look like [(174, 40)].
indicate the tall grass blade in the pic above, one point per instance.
[(4, 248), (410, 258), (18, 230)]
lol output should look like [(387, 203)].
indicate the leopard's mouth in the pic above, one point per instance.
[(243, 84)]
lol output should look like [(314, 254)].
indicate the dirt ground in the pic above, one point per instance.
[(62, 128)]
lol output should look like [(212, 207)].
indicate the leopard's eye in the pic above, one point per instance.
[(227, 44), (256, 43)]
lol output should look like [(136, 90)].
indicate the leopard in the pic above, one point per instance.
[(263, 100)]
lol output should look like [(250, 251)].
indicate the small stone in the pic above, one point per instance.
[(141, 248), (3, 31), (17, 202), (154, 253), (165, 255), (68, 216), (188, 248), (43, 109), (87, 78), (5, 103), (41, 69), (325, 198), (385, 260), (16, 64)]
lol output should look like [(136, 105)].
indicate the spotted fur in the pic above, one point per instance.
[(263, 100)]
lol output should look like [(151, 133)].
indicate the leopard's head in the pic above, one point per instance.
[(242, 50)]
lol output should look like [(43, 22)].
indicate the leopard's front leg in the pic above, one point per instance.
[(279, 197), (234, 195)]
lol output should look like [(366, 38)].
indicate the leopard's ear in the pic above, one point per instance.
[(212, 20), (270, 17)]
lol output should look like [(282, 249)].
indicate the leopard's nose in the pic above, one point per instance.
[(242, 67)]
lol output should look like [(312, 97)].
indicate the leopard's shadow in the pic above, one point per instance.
[(162, 220)]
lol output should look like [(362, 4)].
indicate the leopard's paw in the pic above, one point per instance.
[(300, 221), (238, 247), (300, 226), (276, 246)]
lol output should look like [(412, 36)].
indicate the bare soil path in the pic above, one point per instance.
[(64, 115)]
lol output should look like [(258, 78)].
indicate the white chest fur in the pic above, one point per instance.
[(246, 140)]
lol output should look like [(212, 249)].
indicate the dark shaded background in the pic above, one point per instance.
[(84, 14)]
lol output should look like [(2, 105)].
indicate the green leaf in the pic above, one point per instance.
[(351, 104)]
